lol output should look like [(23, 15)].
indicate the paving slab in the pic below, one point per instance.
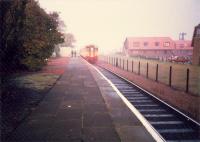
[(73, 111), (100, 134), (81, 107), (127, 125)]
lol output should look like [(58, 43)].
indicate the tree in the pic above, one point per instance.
[(69, 40), (11, 27), (29, 35)]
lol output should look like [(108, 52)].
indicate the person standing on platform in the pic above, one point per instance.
[(72, 53)]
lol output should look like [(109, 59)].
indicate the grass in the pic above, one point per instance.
[(21, 92), (39, 81), (179, 72)]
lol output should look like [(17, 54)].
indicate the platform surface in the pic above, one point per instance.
[(81, 107)]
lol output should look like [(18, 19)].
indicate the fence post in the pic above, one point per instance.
[(132, 65), (156, 72), (123, 64), (147, 70), (187, 80), (127, 64), (139, 68), (112, 60), (120, 62), (170, 76)]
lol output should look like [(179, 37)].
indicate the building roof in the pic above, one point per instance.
[(148, 38), (195, 33), (183, 43)]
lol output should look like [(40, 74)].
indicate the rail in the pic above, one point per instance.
[(162, 121)]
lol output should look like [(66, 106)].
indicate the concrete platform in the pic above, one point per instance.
[(81, 107)]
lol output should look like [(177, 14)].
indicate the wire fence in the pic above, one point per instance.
[(178, 76)]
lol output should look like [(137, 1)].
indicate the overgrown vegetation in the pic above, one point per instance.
[(29, 35)]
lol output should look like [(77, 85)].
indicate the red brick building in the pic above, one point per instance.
[(157, 47), (196, 45)]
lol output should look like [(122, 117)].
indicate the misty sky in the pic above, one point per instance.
[(106, 23)]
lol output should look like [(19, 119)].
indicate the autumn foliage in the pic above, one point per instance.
[(29, 35)]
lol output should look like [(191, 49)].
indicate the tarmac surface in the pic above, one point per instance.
[(81, 107)]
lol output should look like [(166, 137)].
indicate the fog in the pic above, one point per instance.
[(106, 23)]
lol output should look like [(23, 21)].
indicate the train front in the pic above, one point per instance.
[(90, 53)]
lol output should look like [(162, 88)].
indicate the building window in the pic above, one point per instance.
[(157, 43), (166, 44), (136, 44), (198, 32), (145, 43), (181, 45)]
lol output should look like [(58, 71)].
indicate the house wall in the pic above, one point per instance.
[(196, 52), (147, 47), (196, 44)]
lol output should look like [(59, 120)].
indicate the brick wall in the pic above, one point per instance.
[(196, 52)]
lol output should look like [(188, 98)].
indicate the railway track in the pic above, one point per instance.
[(168, 123)]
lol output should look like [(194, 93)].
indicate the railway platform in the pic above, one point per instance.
[(81, 107)]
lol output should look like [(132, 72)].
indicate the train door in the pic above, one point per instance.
[(92, 52), (89, 51)]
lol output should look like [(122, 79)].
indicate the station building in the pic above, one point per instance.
[(157, 47), (196, 45)]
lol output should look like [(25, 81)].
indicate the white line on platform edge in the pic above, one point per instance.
[(145, 123)]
